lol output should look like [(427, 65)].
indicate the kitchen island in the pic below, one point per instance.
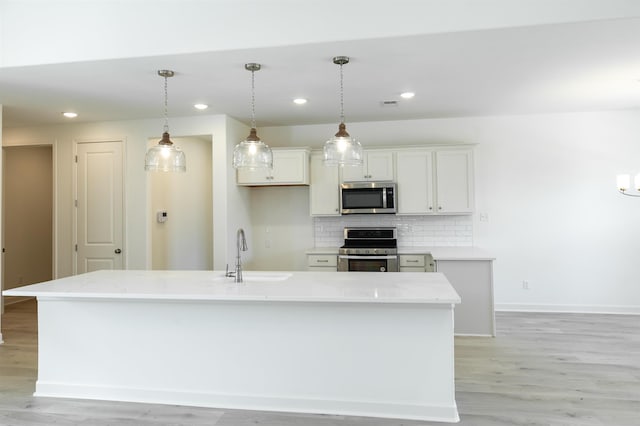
[(366, 344)]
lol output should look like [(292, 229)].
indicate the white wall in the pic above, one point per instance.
[(282, 228), (237, 209), (547, 184), (185, 239)]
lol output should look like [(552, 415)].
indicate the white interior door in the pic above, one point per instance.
[(99, 202)]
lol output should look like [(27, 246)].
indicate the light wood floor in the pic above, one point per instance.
[(542, 369)]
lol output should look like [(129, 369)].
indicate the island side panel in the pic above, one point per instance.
[(370, 359), (473, 281)]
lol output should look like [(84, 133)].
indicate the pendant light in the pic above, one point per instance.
[(165, 156), (624, 183), (342, 149), (252, 153)]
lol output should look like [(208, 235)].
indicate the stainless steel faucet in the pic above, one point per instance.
[(241, 245)]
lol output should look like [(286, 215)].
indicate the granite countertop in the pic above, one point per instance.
[(438, 253), (365, 287)]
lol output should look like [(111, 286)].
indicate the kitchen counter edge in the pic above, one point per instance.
[(438, 253), (312, 287)]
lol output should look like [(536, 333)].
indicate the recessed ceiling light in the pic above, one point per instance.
[(201, 106), (300, 101), (407, 95), (70, 114)]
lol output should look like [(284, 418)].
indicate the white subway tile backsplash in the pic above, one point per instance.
[(413, 231)]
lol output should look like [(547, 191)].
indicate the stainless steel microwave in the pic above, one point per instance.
[(368, 198)]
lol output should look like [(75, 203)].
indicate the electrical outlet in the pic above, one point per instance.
[(525, 285), (484, 217)]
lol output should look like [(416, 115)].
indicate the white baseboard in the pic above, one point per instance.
[(401, 410), (576, 309)]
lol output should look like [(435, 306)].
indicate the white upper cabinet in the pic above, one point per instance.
[(435, 181), (324, 188), (454, 181), (430, 180), (290, 167), (377, 166), (414, 176)]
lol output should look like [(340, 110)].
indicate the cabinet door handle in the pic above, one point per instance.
[(439, 207), (430, 207)]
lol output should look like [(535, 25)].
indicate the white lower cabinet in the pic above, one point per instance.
[(290, 167), (416, 263), (324, 188), (473, 280), (322, 262)]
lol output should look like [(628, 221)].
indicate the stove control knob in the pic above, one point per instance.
[(383, 269)]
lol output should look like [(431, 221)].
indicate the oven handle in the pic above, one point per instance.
[(357, 256)]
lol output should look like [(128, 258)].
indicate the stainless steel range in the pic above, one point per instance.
[(369, 249)]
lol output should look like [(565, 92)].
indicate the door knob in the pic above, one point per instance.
[(117, 251)]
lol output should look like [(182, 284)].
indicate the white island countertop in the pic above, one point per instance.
[(362, 287)]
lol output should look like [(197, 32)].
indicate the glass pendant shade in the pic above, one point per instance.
[(252, 153), (165, 157), (342, 149)]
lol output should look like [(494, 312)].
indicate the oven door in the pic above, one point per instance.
[(367, 263)]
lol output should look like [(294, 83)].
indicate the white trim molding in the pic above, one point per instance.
[(574, 309)]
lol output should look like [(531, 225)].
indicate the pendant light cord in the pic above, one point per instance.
[(341, 96), (166, 106), (253, 99)]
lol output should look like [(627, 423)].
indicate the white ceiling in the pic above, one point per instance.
[(531, 69)]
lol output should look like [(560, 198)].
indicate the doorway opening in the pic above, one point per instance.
[(181, 210), (27, 246)]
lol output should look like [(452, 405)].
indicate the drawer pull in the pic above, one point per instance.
[(412, 261), (322, 261)]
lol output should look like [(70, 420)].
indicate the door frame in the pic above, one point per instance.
[(74, 209)]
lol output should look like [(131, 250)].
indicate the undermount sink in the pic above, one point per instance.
[(254, 277)]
